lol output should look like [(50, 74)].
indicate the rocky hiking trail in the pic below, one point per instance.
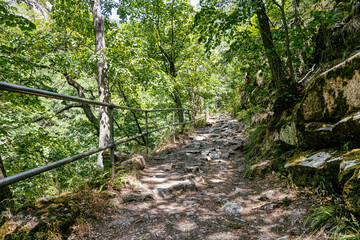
[(195, 189)]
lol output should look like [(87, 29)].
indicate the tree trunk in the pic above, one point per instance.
[(179, 106), (172, 72), (288, 51), (5, 193), (103, 84), (274, 60), (298, 23), (177, 95)]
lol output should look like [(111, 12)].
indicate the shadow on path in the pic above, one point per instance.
[(196, 190)]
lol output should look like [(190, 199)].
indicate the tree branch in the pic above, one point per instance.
[(60, 111), (165, 54), (87, 110)]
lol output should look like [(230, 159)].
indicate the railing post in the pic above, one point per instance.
[(147, 132), (206, 113), (174, 130), (111, 110)]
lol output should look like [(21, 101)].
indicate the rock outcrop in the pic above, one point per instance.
[(315, 168), (328, 114), (135, 161), (328, 118), (330, 168), (333, 94)]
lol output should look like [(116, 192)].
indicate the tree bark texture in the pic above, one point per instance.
[(179, 106), (277, 71), (103, 84)]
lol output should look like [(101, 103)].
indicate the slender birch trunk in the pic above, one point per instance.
[(103, 84)]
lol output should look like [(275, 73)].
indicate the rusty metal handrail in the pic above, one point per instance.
[(35, 171)]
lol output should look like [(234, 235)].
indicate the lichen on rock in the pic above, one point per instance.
[(38, 219), (288, 134)]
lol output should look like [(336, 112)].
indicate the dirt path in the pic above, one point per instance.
[(196, 190)]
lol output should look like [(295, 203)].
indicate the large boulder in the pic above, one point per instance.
[(321, 135), (317, 134), (348, 129), (314, 168), (333, 94), (136, 161), (328, 114), (339, 170)]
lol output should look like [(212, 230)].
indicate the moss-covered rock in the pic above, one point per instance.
[(42, 219), (314, 168), (333, 94), (351, 192), (328, 113), (320, 135), (316, 135), (348, 129), (349, 179), (337, 169)]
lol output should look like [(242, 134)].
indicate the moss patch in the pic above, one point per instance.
[(351, 192), (345, 71), (349, 165), (341, 106), (44, 219)]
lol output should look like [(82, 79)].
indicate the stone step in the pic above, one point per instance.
[(167, 189)]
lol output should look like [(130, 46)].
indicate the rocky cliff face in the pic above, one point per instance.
[(42, 7), (334, 94), (328, 116)]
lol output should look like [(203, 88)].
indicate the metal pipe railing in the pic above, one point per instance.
[(32, 172), (43, 93)]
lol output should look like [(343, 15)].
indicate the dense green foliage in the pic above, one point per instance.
[(234, 28), (55, 52)]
